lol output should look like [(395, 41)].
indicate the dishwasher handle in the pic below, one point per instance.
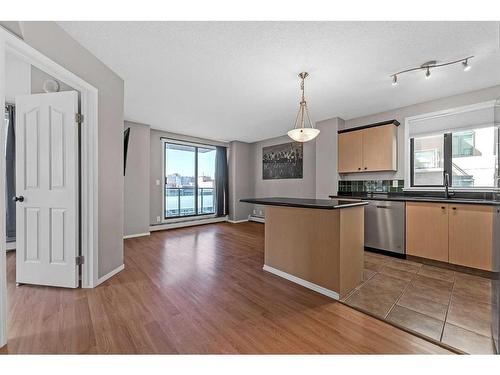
[(383, 207)]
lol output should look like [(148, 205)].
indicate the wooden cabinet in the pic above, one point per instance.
[(427, 230), (460, 234), (368, 150), (380, 148), (350, 151), (470, 235)]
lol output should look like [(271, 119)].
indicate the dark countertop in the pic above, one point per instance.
[(325, 204), (417, 198)]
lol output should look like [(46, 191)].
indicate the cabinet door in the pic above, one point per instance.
[(427, 230), (380, 148), (350, 151), (470, 235)]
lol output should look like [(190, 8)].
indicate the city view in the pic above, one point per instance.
[(186, 194)]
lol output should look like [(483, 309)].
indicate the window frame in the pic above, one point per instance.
[(448, 162), (447, 165), (164, 218)]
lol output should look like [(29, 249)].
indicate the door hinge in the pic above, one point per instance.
[(78, 118), (80, 260)]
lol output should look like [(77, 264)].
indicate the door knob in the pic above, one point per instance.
[(18, 199)]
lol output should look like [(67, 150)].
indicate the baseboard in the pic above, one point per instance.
[(237, 221), (256, 219), (187, 223), (304, 283), (109, 275), (136, 235)]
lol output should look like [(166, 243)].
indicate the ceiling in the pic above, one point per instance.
[(238, 80)]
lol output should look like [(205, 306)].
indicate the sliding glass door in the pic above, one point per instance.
[(189, 180)]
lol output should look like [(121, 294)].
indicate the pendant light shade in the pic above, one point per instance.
[(303, 134), (303, 130)]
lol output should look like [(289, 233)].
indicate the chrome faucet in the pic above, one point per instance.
[(447, 193)]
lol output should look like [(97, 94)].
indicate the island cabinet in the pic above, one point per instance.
[(460, 234), (368, 150)]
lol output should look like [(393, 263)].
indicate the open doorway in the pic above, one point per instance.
[(37, 77), (42, 176)]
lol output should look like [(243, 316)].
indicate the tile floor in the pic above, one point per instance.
[(445, 305)]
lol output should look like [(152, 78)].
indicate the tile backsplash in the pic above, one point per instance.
[(370, 186)]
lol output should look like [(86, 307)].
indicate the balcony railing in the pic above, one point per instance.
[(181, 202)]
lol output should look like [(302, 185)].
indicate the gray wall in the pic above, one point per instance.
[(136, 190), (156, 174), (241, 179), (302, 187), (326, 157), (56, 44), (401, 113)]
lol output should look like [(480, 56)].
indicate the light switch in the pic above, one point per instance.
[(157, 182)]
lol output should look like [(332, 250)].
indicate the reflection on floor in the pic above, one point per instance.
[(445, 305)]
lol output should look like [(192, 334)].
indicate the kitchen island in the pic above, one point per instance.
[(317, 243)]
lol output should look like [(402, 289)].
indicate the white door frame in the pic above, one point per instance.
[(89, 163)]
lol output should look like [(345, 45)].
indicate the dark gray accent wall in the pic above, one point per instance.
[(136, 189)]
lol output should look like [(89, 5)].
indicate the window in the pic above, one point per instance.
[(463, 144), (189, 180), (428, 160), (470, 158)]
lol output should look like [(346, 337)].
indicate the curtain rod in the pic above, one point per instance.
[(195, 143)]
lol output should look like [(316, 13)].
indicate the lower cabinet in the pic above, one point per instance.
[(470, 235), (460, 234), (427, 230)]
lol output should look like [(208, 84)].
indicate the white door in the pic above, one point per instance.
[(47, 189)]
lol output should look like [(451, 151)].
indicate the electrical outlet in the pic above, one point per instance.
[(158, 219), (255, 212), (394, 183)]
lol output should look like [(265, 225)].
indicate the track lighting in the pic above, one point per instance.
[(431, 65), (466, 65)]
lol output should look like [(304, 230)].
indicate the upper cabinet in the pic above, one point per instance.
[(368, 149), (350, 151)]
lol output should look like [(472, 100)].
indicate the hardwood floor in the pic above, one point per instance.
[(195, 290)]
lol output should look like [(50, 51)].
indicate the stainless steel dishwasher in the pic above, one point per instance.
[(385, 226)]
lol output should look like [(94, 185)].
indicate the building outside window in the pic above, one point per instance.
[(189, 180)]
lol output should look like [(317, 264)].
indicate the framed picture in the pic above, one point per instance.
[(282, 161)]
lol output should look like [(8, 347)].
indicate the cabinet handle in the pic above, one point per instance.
[(359, 168), (366, 168), (443, 207), (454, 208)]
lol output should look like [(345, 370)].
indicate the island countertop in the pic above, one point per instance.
[(324, 204)]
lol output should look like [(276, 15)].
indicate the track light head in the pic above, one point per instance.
[(428, 73), (394, 80), (466, 65)]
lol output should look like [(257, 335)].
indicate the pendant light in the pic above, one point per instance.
[(303, 131)]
